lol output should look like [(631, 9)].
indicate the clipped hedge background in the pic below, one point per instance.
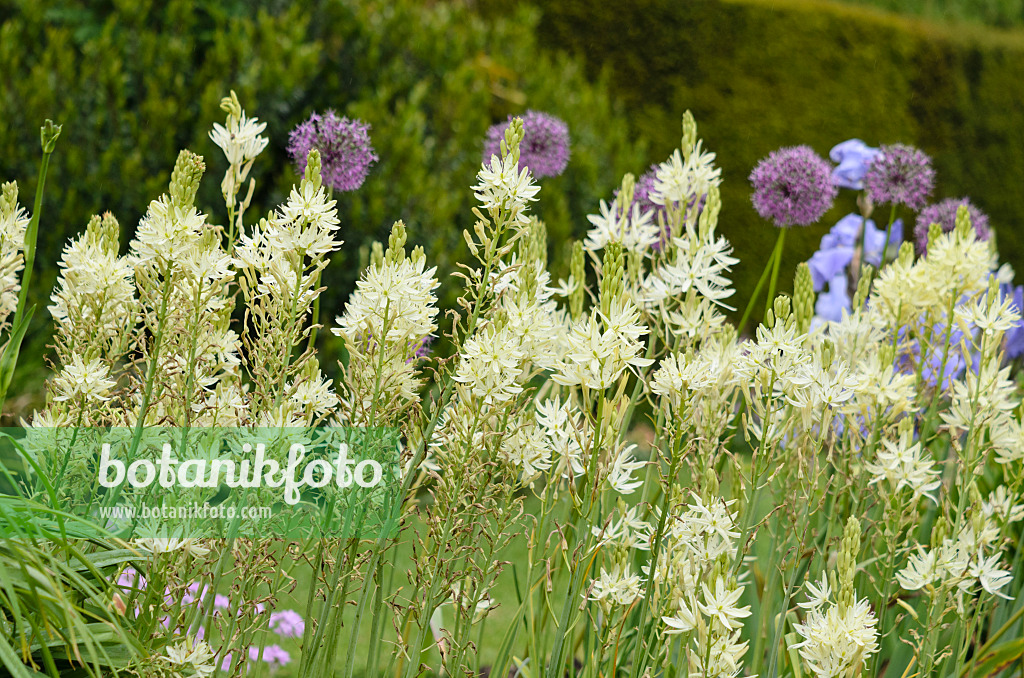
[(1002, 13), (760, 74), (135, 81)]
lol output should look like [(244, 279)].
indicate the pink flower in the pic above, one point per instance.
[(287, 624)]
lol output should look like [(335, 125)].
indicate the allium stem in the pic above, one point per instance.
[(885, 245), (888, 234), (776, 263), (760, 283)]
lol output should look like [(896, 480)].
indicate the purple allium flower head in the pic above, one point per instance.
[(287, 623), (854, 157), (792, 186), (544, 148), (345, 150), (944, 214), (643, 190), (900, 174)]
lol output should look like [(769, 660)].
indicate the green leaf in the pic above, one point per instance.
[(9, 360), (12, 662), (102, 559), (995, 660)]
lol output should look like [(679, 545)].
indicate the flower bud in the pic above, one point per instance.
[(963, 222), (863, 286), (578, 274), (689, 134), (939, 532), (906, 254), (540, 241), (783, 309), (846, 566), (611, 276), (230, 105), (376, 254), (418, 255), (709, 215), (313, 169), (803, 298), (396, 243), (513, 137), (934, 233), (906, 429), (48, 135), (710, 484), (625, 197), (188, 170), (828, 354), (9, 199)]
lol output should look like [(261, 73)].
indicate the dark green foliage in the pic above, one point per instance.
[(760, 74), (133, 82), (1003, 13)]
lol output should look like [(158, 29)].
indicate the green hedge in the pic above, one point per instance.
[(1002, 13), (760, 74), (133, 82)]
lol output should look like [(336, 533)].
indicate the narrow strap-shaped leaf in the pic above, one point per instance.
[(9, 360), (12, 662)]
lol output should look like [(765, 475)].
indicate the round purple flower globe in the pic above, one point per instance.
[(944, 214), (792, 187), (544, 148), (345, 150), (900, 174), (643, 189)]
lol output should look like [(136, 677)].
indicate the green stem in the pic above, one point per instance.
[(50, 132), (888, 234), (757, 288), (776, 263), (316, 312), (154, 359), (640, 649)]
